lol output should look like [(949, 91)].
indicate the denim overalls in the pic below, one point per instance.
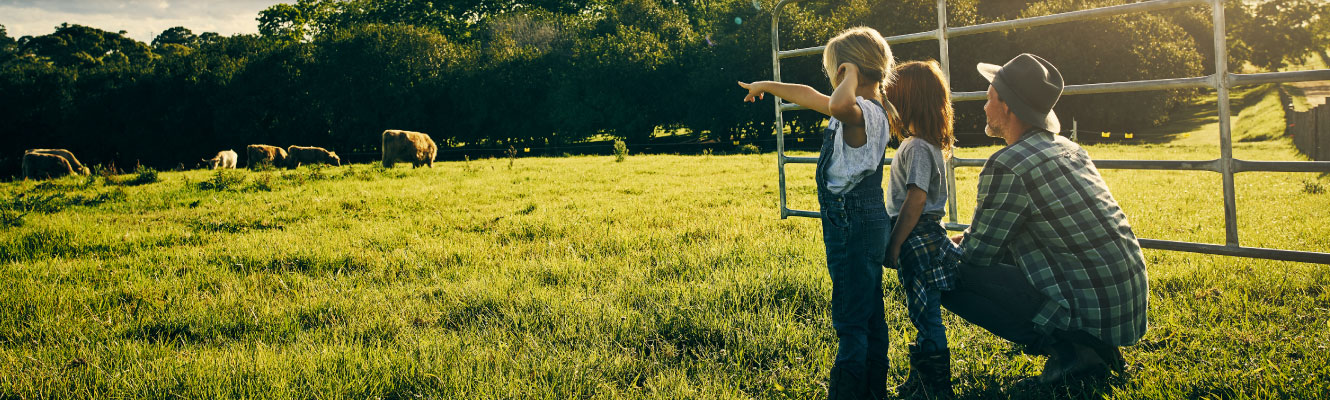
[(855, 228)]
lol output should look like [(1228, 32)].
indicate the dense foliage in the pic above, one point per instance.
[(539, 73)]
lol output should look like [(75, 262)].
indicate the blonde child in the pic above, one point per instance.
[(849, 189), (924, 258)]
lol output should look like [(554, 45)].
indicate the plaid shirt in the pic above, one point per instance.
[(1042, 203), (932, 259)]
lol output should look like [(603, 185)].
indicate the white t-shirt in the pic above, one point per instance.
[(850, 165)]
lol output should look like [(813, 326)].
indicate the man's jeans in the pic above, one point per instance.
[(1000, 299)]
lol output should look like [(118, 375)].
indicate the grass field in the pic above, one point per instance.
[(657, 277)]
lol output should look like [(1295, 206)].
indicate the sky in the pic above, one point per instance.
[(142, 19)]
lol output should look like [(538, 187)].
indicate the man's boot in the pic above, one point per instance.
[(1079, 363)]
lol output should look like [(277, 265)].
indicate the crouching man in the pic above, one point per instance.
[(1049, 261)]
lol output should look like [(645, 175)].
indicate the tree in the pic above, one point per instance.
[(1116, 49), (178, 35), (83, 47), (287, 22), (1271, 33), (8, 46)]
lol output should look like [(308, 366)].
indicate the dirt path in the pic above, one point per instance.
[(1315, 91)]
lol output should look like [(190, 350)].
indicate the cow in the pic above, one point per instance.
[(45, 165), (299, 155), (261, 154), (224, 159), (74, 163), (405, 146)]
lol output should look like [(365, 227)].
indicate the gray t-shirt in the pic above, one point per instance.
[(917, 163)]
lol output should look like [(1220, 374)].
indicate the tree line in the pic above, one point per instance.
[(535, 73)]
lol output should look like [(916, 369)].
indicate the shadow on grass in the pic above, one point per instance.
[(995, 387), (1192, 117)]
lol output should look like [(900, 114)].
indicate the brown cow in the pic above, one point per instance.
[(301, 155), (260, 154), (225, 159), (405, 146), (74, 163), (44, 165)]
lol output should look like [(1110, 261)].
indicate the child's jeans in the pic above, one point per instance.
[(854, 229), (925, 313), (927, 318)]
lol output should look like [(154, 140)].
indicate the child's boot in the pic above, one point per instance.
[(846, 384), (934, 374), (912, 383), (877, 380)]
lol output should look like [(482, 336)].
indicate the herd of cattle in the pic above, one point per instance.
[(398, 146)]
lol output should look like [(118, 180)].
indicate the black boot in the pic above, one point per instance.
[(912, 383), (847, 384), (934, 374), (877, 380)]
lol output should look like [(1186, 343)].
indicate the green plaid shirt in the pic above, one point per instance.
[(1043, 204)]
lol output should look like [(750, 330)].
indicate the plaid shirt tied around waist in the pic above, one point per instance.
[(931, 256)]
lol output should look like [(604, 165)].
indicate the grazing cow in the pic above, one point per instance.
[(224, 159), (405, 146), (260, 154), (74, 163), (299, 155), (44, 165)]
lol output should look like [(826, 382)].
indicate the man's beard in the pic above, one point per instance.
[(992, 131)]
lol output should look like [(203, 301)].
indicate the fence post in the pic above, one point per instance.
[(1319, 142), (1305, 131), (1297, 126)]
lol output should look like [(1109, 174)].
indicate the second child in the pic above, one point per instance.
[(919, 249)]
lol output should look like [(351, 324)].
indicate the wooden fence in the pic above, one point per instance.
[(1311, 132)]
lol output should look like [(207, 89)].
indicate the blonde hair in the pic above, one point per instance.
[(925, 104), (865, 48)]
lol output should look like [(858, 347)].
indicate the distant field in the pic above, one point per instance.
[(658, 277)]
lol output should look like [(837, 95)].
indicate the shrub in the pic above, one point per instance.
[(467, 168), (11, 218), (262, 183), (620, 150), (749, 149), (48, 203), (142, 176), (223, 179), (1312, 187)]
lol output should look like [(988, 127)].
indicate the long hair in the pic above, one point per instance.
[(863, 47), (923, 103)]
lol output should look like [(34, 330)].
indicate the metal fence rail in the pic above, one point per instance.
[(1220, 81)]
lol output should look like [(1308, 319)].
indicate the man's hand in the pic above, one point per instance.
[(957, 238)]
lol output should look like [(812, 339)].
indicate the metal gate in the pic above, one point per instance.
[(1220, 81)]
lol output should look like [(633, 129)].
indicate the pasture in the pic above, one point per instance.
[(657, 277)]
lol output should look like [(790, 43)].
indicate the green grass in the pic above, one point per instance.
[(656, 277), (1255, 116)]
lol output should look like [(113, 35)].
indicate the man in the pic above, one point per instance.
[(1049, 261)]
